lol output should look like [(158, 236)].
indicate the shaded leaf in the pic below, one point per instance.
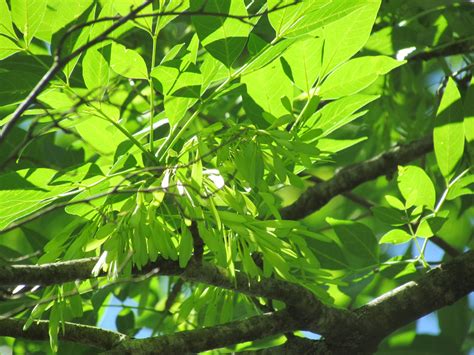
[(359, 244)]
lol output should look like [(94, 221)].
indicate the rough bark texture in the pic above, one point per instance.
[(441, 287), (345, 332), (78, 333), (213, 337), (66, 271)]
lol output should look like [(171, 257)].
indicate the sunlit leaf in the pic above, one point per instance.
[(356, 75), (469, 113), (127, 62), (95, 70), (224, 38), (27, 15), (416, 187), (448, 135), (396, 236), (345, 37), (267, 87)]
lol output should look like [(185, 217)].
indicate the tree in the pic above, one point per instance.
[(275, 176)]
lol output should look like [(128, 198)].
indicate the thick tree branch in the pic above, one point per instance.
[(302, 301), (360, 334), (352, 176), (66, 271), (77, 333), (440, 287), (195, 341)]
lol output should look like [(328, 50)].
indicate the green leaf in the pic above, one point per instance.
[(27, 15), (123, 7), (448, 135), (59, 14), (469, 113), (7, 46), (429, 226), (395, 202), (267, 87), (223, 37), (168, 6), (8, 38), (307, 16), (285, 13), (249, 163), (75, 302), (389, 216), (358, 242), (345, 37), (53, 327), (6, 26), (24, 192), (416, 187), (108, 10), (74, 40), (338, 113), (305, 62), (464, 186), (181, 86), (18, 79), (100, 134), (266, 55), (330, 255), (336, 145), (185, 247), (395, 236), (211, 70), (355, 75), (127, 62), (177, 79), (95, 69)]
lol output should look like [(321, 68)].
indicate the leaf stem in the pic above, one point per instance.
[(440, 204), (152, 91)]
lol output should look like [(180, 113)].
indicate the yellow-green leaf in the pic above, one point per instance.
[(448, 135)]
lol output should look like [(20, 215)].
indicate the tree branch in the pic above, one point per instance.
[(66, 271), (360, 334), (465, 45), (302, 301), (440, 287), (195, 341), (77, 333), (352, 176)]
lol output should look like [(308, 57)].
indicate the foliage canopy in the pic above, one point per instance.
[(204, 166)]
